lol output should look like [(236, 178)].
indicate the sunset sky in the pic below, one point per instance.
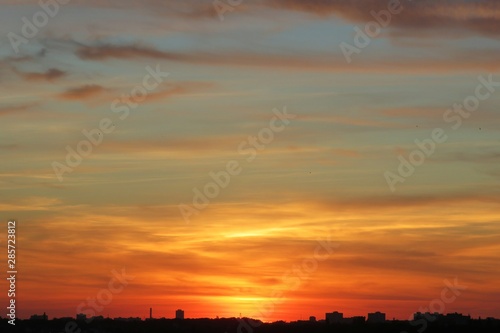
[(329, 130)]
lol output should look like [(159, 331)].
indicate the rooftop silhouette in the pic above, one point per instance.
[(333, 322)]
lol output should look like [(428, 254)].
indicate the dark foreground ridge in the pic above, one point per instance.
[(428, 324)]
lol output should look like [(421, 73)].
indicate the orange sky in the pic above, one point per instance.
[(210, 96)]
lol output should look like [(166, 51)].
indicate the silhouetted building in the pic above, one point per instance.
[(312, 319), (81, 316), (179, 314), (128, 319), (357, 320), (150, 313), (448, 319), (457, 319), (376, 317), (334, 317), (39, 317), (427, 316)]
